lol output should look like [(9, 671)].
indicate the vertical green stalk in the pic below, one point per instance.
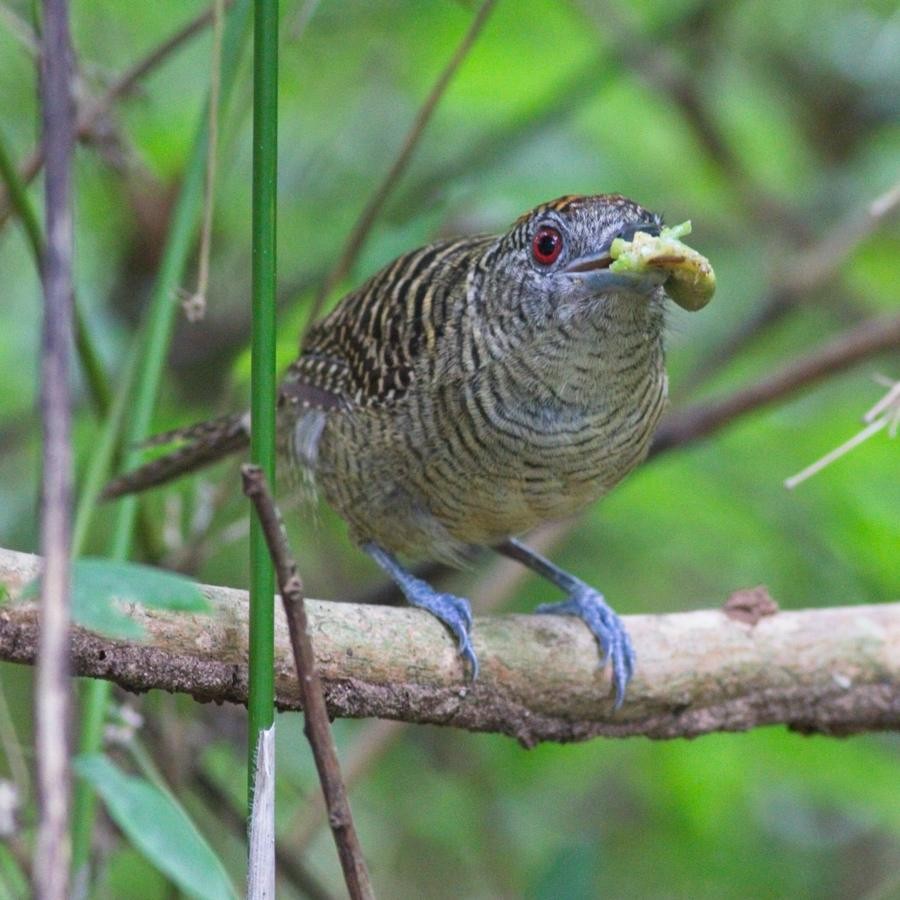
[(262, 406), (144, 388)]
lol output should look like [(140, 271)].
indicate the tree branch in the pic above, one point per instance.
[(686, 425), (829, 670)]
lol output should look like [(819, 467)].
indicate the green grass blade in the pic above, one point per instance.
[(262, 441), (157, 825)]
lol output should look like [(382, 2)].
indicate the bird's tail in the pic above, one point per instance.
[(199, 446)]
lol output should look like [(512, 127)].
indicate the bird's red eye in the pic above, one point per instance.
[(546, 245)]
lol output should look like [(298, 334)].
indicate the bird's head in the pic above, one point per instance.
[(557, 258)]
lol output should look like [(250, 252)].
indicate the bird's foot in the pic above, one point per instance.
[(454, 612), (615, 644)]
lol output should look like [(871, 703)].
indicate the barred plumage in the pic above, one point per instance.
[(471, 390)]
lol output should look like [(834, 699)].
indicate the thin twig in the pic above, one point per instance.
[(52, 701), (492, 589), (694, 422), (195, 304), (126, 82), (505, 139), (374, 739), (366, 220), (810, 270), (87, 121), (884, 414), (816, 467), (316, 723)]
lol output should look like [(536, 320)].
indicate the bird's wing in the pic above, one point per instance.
[(365, 353)]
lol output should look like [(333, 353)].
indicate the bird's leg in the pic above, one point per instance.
[(453, 611), (586, 603)]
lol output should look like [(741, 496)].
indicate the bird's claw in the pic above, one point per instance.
[(456, 614), (615, 644), (453, 611)]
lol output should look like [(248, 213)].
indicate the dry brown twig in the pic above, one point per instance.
[(92, 115), (360, 231), (695, 422), (491, 591), (810, 269), (316, 722)]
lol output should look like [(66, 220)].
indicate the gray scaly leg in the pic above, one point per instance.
[(453, 611), (586, 603)]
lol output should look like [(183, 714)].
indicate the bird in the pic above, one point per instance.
[(469, 391)]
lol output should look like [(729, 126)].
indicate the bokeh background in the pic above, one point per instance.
[(773, 126)]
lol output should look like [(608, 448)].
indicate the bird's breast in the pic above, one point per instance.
[(475, 460), (508, 451)]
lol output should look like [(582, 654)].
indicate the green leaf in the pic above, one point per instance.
[(159, 828), (100, 586)]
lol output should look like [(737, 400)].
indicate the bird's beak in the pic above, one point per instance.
[(593, 271)]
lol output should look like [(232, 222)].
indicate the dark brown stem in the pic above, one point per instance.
[(694, 422), (52, 702), (366, 220), (317, 726)]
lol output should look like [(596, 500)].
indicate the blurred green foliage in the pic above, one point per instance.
[(797, 129)]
